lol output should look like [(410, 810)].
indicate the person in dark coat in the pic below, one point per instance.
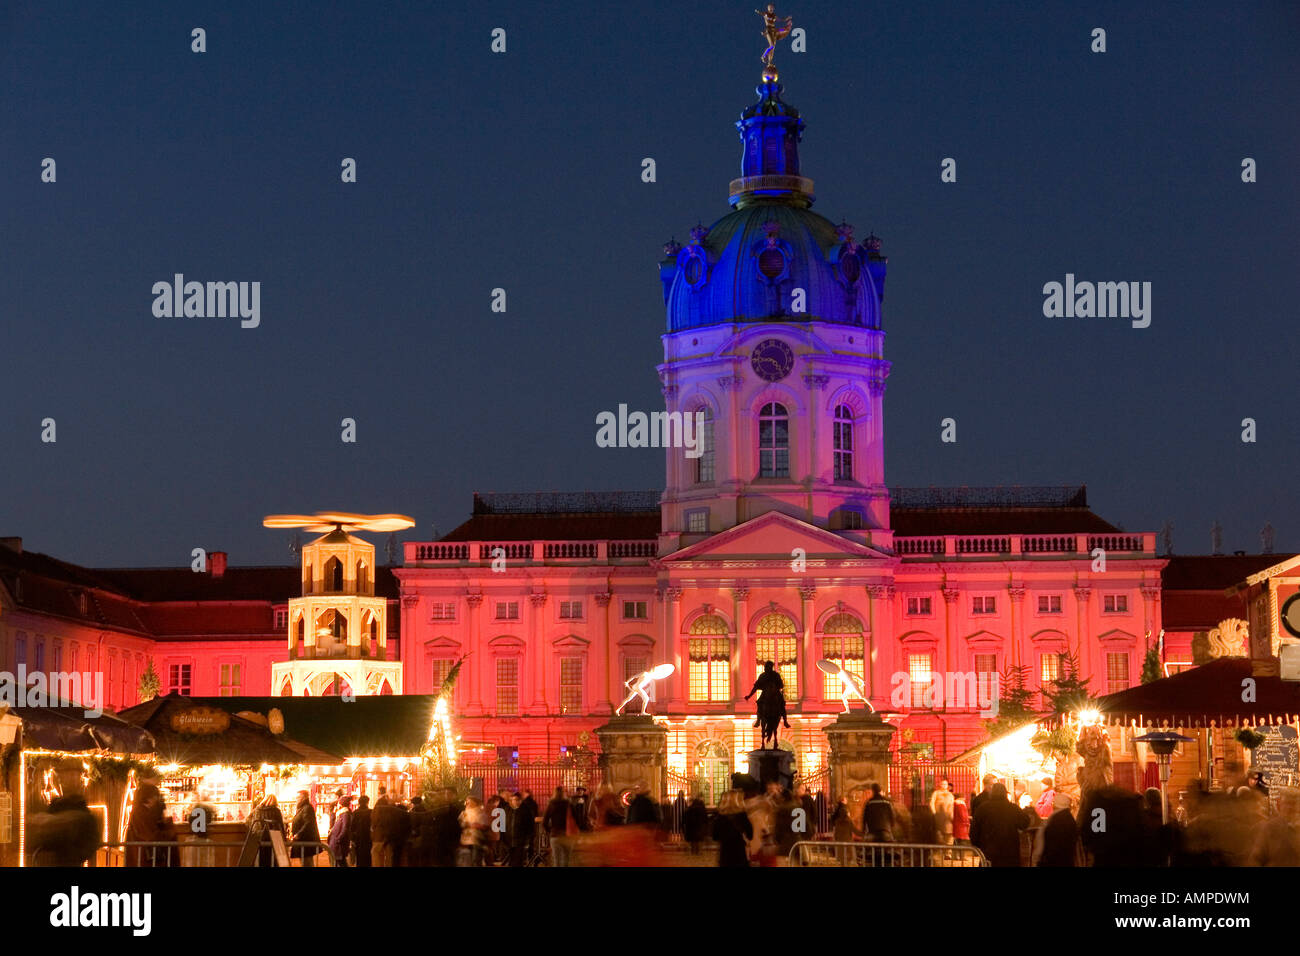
[(1119, 842), (420, 844), (262, 821), (995, 827), (390, 825), (556, 821), (642, 809), (303, 829), (65, 835), (924, 829), (1056, 841), (695, 824), (581, 803), (878, 817), (446, 829), (150, 824), (521, 830), (977, 800), (732, 830), (340, 838), (360, 831)]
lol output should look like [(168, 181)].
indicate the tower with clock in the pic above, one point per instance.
[(774, 333)]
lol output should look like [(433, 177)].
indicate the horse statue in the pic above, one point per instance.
[(771, 703)]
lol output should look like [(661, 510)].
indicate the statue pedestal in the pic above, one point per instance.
[(634, 752), (772, 766), (859, 753)]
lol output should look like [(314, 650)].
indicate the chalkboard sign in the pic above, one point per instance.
[(1278, 758)]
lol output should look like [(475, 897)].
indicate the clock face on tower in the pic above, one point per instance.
[(772, 360)]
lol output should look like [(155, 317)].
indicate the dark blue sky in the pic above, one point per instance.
[(523, 171)]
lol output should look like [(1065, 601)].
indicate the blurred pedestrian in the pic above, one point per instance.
[(303, 829), (941, 802), (149, 823), (878, 817), (67, 834), (340, 838), (732, 830), (695, 824), (359, 829)]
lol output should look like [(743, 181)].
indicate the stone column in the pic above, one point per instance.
[(807, 659), (609, 679), (672, 603), (880, 630), (411, 659), (859, 756), (1017, 623), (634, 752), (1150, 615), (950, 597), (481, 664), (538, 706), (1085, 639), (740, 648)]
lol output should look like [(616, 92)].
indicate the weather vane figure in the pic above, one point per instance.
[(774, 33), (851, 685), (642, 684)]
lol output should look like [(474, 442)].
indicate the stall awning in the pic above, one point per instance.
[(69, 729), (186, 739), (1214, 694)]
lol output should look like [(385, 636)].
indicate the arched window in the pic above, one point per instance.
[(709, 676), (843, 443), (776, 640), (712, 770), (333, 575), (362, 581), (773, 441), (704, 464), (843, 644)]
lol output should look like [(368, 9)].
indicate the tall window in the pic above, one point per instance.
[(632, 666), (333, 575), (986, 676), (439, 668), (843, 443), (844, 645), (920, 674), (704, 464), (1116, 672), (570, 685), (230, 683), (507, 686), (1049, 669), (58, 657), (709, 650), (40, 655), (773, 441), (178, 679), (281, 618), (775, 641)]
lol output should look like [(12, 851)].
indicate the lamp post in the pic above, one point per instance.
[(1162, 742)]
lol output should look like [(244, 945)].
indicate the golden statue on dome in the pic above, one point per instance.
[(774, 33)]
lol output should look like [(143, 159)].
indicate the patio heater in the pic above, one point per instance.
[(1163, 742)]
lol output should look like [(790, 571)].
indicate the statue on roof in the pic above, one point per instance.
[(774, 33)]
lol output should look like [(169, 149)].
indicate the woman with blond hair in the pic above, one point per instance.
[(732, 830)]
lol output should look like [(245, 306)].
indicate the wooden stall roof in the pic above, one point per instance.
[(1214, 694), (243, 742), (69, 729), (379, 726)]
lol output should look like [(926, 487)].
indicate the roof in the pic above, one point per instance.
[(68, 728), (49, 586), (910, 522), (275, 584), (1205, 695), (1213, 571), (244, 742), (380, 726)]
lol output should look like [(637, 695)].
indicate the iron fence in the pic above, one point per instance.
[(489, 777), (913, 781), (823, 853)]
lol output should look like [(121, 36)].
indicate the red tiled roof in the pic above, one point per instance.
[(273, 584), (1213, 571), (1197, 610), (167, 621)]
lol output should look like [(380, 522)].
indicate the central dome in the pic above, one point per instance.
[(772, 257)]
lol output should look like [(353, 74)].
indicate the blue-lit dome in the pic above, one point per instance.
[(772, 257)]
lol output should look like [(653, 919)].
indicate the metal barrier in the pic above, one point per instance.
[(198, 853), (822, 853)]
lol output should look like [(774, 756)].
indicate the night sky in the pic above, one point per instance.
[(522, 171)]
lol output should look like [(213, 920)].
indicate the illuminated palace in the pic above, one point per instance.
[(781, 541)]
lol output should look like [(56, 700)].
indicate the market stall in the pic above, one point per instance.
[(1211, 704), (48, 752)]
